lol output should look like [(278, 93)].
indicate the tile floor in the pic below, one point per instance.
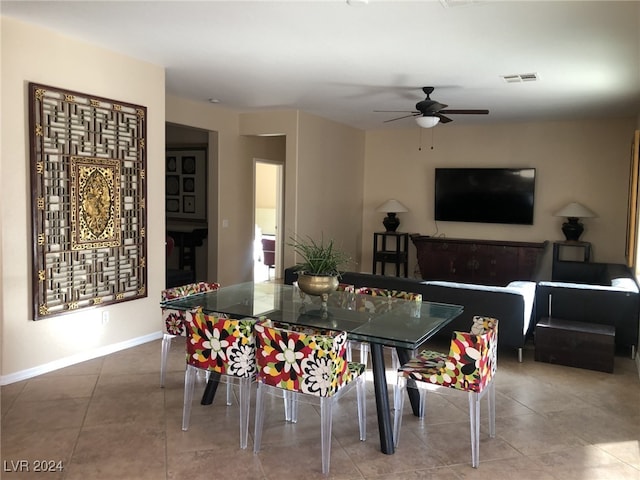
[(108, 418)]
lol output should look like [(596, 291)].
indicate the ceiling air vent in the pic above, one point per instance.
[(458, 3), (520, 77)]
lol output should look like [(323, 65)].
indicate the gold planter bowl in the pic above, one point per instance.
[(317, 284)]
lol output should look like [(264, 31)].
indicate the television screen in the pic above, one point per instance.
[(485, 195)]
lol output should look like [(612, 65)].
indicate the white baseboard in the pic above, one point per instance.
[(78, 358)]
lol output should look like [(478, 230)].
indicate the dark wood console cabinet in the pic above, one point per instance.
[(486, 262)]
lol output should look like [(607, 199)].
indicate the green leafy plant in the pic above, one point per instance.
[(318, 258)]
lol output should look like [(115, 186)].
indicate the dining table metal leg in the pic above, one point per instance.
[(382, 399), (210, 390), (412, 392)]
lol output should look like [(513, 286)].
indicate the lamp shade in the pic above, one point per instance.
[(427, 121), (575, 210), (392, 206)]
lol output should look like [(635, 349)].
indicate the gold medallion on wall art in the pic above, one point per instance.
[(95, 203)]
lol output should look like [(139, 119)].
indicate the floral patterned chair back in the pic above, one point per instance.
[(294, 363), (314, 364), (173, 320), (385, 298), (227, 348), (469, 366), (221, 345), (370, 299)]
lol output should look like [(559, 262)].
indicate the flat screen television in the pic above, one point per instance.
[(485, 195)]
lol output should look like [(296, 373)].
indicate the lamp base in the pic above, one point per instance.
[(572, 229), (391, 222)]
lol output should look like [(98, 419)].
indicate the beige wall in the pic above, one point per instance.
[(584, 161), (33, 54), (331, 183)]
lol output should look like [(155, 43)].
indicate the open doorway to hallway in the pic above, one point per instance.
[(190, 183), (268, 218)]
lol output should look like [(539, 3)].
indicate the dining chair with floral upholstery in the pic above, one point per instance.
[(226, 348), (470, 366), (313, 368), (173, 320)]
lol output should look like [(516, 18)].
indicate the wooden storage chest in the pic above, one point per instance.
[(488, 262), (575, 344)]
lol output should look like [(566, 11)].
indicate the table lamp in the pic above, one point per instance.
[(391, 207), (572, 228)]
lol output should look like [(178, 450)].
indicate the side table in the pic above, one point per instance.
[(570, 251), (562, 247), (391, 247)]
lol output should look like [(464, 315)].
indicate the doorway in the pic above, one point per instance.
[(190, 214), (268, 184)]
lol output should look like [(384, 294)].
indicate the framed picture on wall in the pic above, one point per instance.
[(173, 205), (189, 203), (189, 184), (186, 184)]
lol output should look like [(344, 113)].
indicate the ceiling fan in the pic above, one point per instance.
[(430, 112)]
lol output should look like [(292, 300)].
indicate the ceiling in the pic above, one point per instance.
[(343, 61)]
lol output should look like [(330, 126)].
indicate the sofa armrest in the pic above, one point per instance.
[(507, 304)]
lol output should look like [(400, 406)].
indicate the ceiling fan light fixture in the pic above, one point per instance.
[(427, 121)]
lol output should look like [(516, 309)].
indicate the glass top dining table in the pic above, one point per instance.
[(380, 321)]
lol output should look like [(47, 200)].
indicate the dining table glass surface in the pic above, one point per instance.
[(375, 319), (381, 321)]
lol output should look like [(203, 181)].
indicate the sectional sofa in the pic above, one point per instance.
[(512, 304), (586, 292)]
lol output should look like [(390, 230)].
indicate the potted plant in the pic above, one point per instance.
[(319, 270)]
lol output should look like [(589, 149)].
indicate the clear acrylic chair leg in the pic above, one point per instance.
[(398, 406), (326, 417), (474, 422), (229, 393), (362, 407), (245, 394), (189, 379), (364, 353), (164, 355), (290, 406), (491, 401), (259, 421)]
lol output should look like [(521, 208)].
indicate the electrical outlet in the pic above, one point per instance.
[(105, 318)]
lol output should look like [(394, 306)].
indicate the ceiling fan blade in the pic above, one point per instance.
[(468, 112), (400, 118), (443, 119), (395, 111)]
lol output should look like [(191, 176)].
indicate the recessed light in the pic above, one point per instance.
[(214, 100)]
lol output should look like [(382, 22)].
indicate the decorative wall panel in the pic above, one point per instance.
[(88, 164)]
